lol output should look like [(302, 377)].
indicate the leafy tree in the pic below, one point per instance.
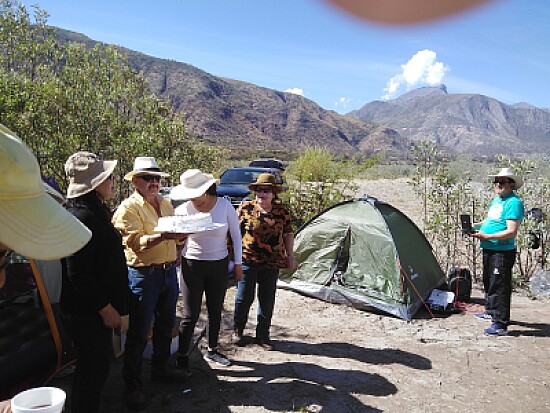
[(535, 193), (62, 98), (315, 182), (446, 195)]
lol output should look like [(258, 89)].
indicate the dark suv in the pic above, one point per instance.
[(234, 182)]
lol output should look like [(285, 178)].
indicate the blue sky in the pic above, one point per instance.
[(340, 62)]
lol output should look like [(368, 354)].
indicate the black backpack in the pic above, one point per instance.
[(460, 283), (533, 237)]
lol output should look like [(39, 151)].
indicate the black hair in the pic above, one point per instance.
[(91, 200), (212, 190)]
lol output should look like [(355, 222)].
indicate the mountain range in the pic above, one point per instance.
[(250, 119), (464, 123)]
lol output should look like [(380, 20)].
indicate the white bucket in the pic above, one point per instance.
[(39, 400)]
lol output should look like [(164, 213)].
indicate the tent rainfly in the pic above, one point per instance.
[(364, 253)]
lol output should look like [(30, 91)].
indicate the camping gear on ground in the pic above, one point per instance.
[(460, 283), (440, 301), (366, 253)]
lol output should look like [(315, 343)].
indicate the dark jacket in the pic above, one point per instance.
[(97, 274)]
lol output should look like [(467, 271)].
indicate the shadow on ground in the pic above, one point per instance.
[(275, 386)]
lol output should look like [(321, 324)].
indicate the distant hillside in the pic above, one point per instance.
[(466, 123), (253, 119)]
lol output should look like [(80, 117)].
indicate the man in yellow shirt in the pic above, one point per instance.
[(151, 259)]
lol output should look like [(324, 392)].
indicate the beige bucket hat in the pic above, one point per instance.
[(32, 223), (193, 183), (86, 172), (145, 165)]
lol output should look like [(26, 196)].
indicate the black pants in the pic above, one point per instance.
[(497, 282), (94, 350), (198, 277)]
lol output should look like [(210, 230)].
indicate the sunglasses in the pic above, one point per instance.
[(263, 190), (150, 178), (502, 181)]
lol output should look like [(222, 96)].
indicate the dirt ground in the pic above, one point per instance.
[(332, 358)]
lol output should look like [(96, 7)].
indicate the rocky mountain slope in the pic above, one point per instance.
[(251, 119), (243, 115), (466, 123)]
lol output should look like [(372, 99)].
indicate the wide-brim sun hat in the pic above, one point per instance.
[(193, 183), (145, 165), (32, 223), (509, 173), (86, 172), (265, 179)]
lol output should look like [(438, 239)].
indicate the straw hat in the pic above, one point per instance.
[(265, 179), (86, 172), (145, 165), (193, 183), (32, 223), (509, 173)]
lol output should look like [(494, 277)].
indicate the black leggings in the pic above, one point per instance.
[(198, 277), (94, 351)]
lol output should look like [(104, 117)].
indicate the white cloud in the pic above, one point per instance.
[(342, 103), (421, 70), (295, 91)]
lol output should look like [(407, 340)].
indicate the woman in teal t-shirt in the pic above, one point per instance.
[(497, 235)]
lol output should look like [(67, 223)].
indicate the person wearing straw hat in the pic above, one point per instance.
[(95, 286), (151, 262), (24, 205), (497, 235), (268, 244), (204, 266)]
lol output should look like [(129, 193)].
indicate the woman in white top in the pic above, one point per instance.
[(205, 260)]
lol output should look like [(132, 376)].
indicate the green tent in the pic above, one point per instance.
[(366, 253)]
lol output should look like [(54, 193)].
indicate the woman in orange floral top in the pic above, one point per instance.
[(268, 244)]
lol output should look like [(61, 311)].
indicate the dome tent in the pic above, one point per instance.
[(366, 253)]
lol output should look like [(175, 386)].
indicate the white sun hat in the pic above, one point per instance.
[(145, 165), (32, 223), (193, 183), (509, 173)]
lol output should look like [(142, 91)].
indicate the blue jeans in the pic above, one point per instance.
[(266, 278), (497, 282), (154, 292)]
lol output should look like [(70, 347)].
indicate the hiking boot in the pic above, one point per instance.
[(167, 373), (133, 395), (238, 338), (264, 343), (182, 364), (496, 330), (483, 316), (217, 358)]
